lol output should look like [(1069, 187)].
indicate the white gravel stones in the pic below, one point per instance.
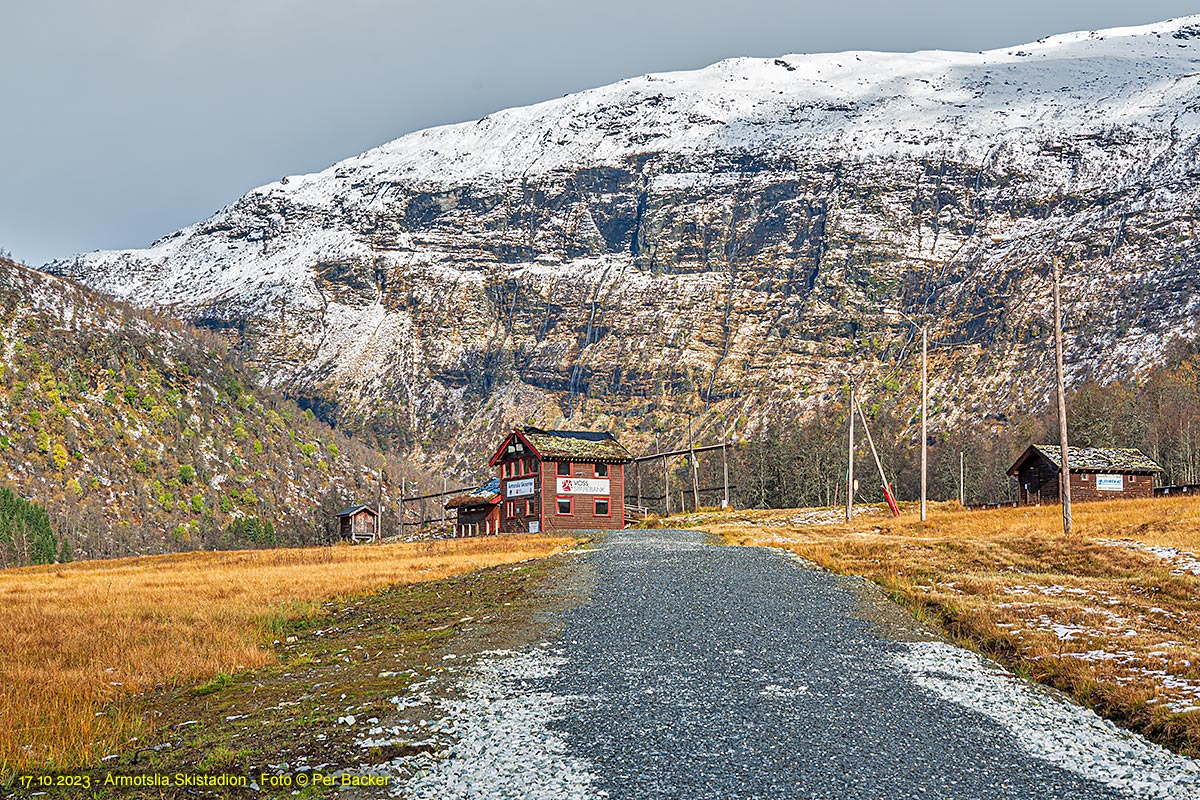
[(501, 745), (1051, 728)]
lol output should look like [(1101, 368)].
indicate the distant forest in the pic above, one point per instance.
[(789, 463)]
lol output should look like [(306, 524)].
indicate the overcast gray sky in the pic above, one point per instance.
[(123, 120)]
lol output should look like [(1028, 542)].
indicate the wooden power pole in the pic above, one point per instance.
[(666, 478), (850, 461), (1065, 475), (695, 472), (962, 479), (924, 416), (725, 466)]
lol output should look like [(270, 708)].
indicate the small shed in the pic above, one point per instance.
[(1097, 473), (478, 511), (359, 523)]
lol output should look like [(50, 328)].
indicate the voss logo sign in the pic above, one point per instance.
[(582, 486)]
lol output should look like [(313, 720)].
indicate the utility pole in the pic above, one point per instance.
[(1065, 475), (403, 491), (442, 499), (666, 477), (850, 461), (924, 416), (639, 480), (695, 473), (379, 504), (962, 479), (725, 466)]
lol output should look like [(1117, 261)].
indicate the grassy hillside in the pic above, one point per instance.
[(141, 435)]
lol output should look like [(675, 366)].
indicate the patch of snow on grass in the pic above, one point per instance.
[(1051, 728), (1182, 562)]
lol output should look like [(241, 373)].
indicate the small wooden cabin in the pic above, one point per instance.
[(477, 512), (561, 480), (359, 524), (1097, 473)]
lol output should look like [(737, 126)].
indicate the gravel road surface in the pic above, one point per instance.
[(693, 671)]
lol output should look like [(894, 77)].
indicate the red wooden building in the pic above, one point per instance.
[(1097, 473), (561, 480)]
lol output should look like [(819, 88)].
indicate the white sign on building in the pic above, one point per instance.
[(518, 488), (1110, 483), (582, 486)]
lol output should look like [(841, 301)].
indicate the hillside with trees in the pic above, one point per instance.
[(127, 433)]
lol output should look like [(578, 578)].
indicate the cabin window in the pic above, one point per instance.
[(602, 507), (564, 468), (532, 506), (565, 506), (601, 470)]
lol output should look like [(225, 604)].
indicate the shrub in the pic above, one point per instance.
[(187, 473), (60, 457), (65, 555), (140, 466), (332, 450)]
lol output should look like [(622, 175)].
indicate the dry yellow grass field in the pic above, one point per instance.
[(78, 638), (1110, 614)]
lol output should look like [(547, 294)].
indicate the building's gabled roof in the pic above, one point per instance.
[(1126, 460), (352, 510), (594, 446), (488, 493)]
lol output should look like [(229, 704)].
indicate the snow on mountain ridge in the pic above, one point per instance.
[(871, 104), (724, 217)]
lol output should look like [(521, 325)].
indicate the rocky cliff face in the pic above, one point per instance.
[(720, 243)]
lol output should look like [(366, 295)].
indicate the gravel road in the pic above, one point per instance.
[(698, 671)]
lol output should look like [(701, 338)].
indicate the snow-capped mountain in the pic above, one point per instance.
[(722, 240)]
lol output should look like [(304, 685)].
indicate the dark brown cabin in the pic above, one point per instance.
[(359, 524), (478, 511), (1097, 473), (561, 480)]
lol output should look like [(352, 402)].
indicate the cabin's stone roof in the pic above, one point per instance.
[(1099, 459), (479, 496), (577, 446)]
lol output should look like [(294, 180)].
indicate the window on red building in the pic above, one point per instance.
[(601, 470), (565, 506), (564, 468), (602, 508)]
